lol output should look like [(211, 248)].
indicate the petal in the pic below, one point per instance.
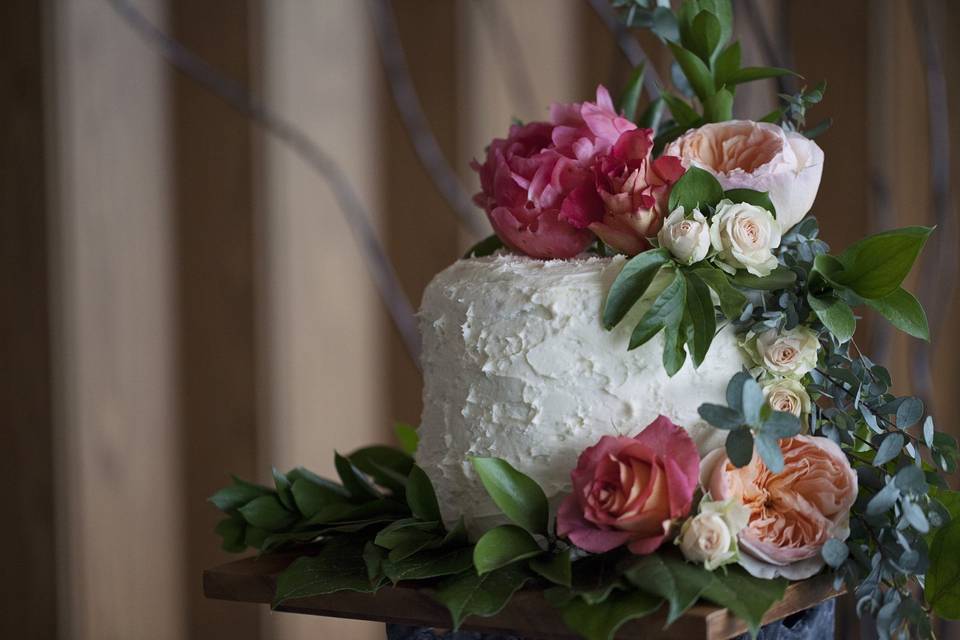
[(582, 207)]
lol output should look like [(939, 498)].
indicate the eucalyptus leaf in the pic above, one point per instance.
[(909, 412), (734, 391), (883, 501), (769, 449), (834, 552), (720, 416), (739, 447), (752, 401), (503, 545), (631, 283), (519, 497), (890, 448), (780, 424)]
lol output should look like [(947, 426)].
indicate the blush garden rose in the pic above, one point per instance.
[(744, 237), (686, 238), (710, 537), (792, 513), (630, 491), (757, 155), (790, 354), (787, 395)]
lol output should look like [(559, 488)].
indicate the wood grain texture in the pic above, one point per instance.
[(28, 591), (527, 615)]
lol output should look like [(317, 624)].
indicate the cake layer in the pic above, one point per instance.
[(517, 365)]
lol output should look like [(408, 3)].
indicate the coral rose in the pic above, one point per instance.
[(628, 491), (792, 513), (759, 156)]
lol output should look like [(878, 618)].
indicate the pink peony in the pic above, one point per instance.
[(743, 154), (792, 513), (630, 490), (539, 182)]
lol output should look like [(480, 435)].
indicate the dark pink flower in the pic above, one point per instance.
[(628, 491)]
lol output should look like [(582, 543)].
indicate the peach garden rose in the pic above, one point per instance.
[(629, 491), (743, 154), (792, 513)]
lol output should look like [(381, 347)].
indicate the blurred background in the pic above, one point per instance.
[(185, 297)]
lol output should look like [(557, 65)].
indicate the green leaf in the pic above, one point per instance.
[(232, 531), (600, 621), (720, 416), (769, 449), (421, 497), (407, 437), (690, 9), (487, 246), (835, 314), (904, 312), (732, 301), (282, 485), (429, 564), (387, 466), (694, 188), (353, 480), (666, 310), (779, 278), (373, 557), (674, 355), (942, 589), (727, 63), (875, 266), (749, 74), (342, 513), (339, 566), (471, 594), (695, 70), (404, 530), (747, 597), (702, 315), (554, 567), (780, 424), (631, 283), (310, 497), (676, 581), (890, 448), (503, 545), (756, 198), (631, 94), (519, 497), (236, 495), (651, 116), (705, 35), (267, 512), (682, 113), (719, 106), (739, 446)]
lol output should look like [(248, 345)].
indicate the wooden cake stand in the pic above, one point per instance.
[(527, 615)]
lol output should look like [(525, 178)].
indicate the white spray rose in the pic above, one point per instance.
[(791, 354), (688, 239), (759, 156), (744, 237), (787, 395), (710, 537)]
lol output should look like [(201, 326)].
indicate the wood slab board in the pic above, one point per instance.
[(527, 615)]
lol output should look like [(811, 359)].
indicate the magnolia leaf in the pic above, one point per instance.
[(429, 564), (387, 466), (487, 246), (631, 283), (666, 311), (600, 621), (238, 494), (875, 266), (421, 498), (703, 317), (890, 448), (353, 479), (739, 447), (904, 312), (400, 531), (779, 278), (731, 300), (835, 314), (756, 198), (519, 497), (339, 566), (503, 545), (942, 589), (747, 597), (719, 106), (267, 513), (631, 94), (470, 594), (554, 567), (676, 581), (720, 416), (695, 70), (694, 188)]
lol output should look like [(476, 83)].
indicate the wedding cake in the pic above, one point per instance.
[(517, 365)]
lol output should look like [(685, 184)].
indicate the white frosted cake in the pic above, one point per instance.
[(517, 365)]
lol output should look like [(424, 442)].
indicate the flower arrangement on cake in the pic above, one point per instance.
[(643, 390)]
